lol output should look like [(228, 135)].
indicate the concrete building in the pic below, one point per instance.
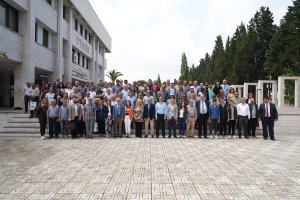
[(49, 39)]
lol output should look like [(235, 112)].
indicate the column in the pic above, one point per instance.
[(297, 93), (280, 94), (246, 87)]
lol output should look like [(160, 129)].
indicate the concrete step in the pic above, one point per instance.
[(289, 117), (21, 115), (22, 125), (23, 120), (287, 123), (20, 130)]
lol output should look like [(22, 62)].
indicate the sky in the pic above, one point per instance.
[(149, 36)]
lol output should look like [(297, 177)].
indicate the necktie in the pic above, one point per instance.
[(267, 110), (202, 107), (118, 109)]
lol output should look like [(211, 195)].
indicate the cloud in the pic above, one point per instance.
[(148, 37)]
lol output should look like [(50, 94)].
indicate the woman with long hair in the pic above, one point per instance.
[(42, 115), (182, 118), (138, 116), (128, 117)]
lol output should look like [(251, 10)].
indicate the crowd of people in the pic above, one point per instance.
[(114, 109)]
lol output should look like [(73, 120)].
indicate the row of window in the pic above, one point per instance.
[(9, 16), (80, 59), (83, 33)]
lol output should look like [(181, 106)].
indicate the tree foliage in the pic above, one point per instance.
[(256, 51)]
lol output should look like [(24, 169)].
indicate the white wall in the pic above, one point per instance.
[(12, 44)]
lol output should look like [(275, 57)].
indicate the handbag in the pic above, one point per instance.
[(32, 105)]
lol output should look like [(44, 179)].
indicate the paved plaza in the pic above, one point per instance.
[(150, 168)]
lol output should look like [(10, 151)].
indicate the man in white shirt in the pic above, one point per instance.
[(243, 113), (27, 88)]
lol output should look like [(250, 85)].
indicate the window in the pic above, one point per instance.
[(76, 24), (78, 55), (36, 32), (83, 61), (64, 12), (85, 34), (49, 1), (81, 29), (87, 63), (3, 11), (90, 39), (45, 38), (9, 16)]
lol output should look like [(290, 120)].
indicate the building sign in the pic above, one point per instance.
[(80, 43), (79, 73)]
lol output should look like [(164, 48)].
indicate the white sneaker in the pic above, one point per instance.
[(211, 137), (228, 137), (220, 137), (234, 137), (43, 137)]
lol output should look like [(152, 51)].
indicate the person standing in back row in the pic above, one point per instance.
[(268, 114), (243, 112)]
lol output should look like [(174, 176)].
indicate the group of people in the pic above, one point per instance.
[(111, 108)]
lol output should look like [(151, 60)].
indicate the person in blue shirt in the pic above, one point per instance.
[(160, 115), (214, 118)]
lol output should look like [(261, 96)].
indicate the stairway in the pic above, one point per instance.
[(20, 123)]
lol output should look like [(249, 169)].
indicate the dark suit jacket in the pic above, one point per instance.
[(256, 107), (273, 111), (198, 108), (235, 113), (151, 113)]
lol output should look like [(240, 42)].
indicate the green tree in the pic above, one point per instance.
[(284, 52), (113, 75), (261, 29), (184, 70), (216, 68), (158, 80)]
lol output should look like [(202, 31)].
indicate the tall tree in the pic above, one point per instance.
[(261, 29), (113, 75), (158, 80), (217, 68), (184, 70), (284, 52)]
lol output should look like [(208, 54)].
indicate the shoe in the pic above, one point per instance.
[(254, 136), (246, 137), (211, 137), (30, 116), (220, 137), (273, 139), (205, 137), (234, 137), (175, 136), (43, 137), (199, 136), (152, 136), (145, 136), (157, 136), (168, 136), (228, 137), (265, 138), (164, 136), (240, 137), (51, 136)]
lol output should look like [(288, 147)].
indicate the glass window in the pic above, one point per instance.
[(85, 34), (49, 1), (13, 19), (83, 61), (78, 58), (45, 38), (64, 12), (3, 12), (76, 24), (81, 30), (36, 32), (87, 63)]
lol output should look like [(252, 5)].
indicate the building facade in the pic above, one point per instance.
[(49, 39)]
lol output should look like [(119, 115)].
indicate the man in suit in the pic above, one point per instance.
[(202, 111), (268, 114), (75, 113), (253, 118), (172, 115), (118, 116), (149, 116)]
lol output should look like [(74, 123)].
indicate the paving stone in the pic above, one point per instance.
[(150, 168)]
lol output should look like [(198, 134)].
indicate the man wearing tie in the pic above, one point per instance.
[(118, 116), (149, 116), (202, 108), (268, 114)]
